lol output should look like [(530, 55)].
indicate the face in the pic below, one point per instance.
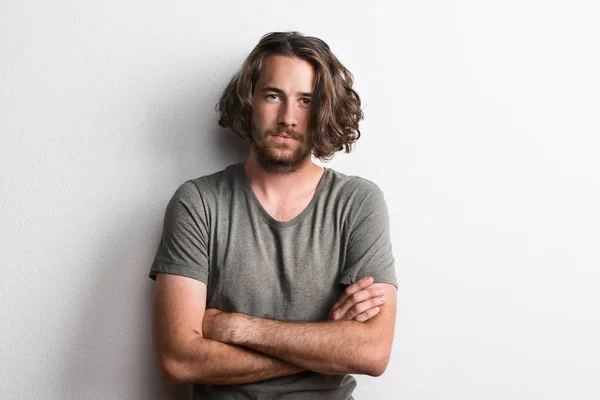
[(281, 107)]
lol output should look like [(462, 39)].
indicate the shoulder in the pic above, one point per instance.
[(201, 195), (210, 185), (351, 187)]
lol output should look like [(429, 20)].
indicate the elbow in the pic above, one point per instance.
[(171, 370), (375, 363), (377, 369), (175, 370), (178, 365)]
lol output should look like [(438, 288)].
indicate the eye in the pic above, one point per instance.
[(272, 96), (305, 101)]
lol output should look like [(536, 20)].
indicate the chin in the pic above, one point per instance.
[(282, 163), (281, 157)]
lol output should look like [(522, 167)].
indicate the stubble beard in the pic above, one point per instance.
[(271, 159)]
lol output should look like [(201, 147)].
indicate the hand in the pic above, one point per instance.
[(221, 326), (360, 302)]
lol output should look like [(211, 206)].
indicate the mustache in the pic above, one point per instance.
[(287, 131)]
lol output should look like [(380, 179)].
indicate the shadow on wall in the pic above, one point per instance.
[(109, 354), (186, 139)]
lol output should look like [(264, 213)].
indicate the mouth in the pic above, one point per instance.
[(285, 137)]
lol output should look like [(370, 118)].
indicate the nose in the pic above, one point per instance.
[(287, 114)]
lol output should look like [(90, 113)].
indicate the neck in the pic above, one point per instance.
[(282, 183)]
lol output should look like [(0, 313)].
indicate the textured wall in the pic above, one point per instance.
[(482, 127)]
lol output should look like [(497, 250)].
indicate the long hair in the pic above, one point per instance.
[(335, 112)]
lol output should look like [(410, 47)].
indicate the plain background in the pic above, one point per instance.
[(482, 122)]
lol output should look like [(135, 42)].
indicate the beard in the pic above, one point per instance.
[(281, 157)]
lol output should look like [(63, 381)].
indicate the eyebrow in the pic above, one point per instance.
[(279, 91)]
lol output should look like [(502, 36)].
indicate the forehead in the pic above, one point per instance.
[(286, 73)]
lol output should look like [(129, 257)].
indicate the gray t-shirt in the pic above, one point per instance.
[(216, 231)]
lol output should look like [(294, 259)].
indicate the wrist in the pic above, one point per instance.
[(223, 326), (240, 328)]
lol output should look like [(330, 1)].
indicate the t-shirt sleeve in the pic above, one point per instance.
[(183, 248), (369, 251)]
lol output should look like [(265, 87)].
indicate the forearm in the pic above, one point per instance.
[(184, 355), (210, 362), (333, 347)]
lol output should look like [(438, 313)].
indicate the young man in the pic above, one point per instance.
[(275, 277)]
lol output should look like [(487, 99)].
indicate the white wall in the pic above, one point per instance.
[(482, 127)]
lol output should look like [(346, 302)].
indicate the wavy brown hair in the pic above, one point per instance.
[(336, 109)]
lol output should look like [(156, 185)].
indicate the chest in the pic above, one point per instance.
[(285, 208), (288, 273)]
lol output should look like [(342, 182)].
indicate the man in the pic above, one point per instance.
[(253, 258)]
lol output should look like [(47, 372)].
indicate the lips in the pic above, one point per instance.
[(285, 137), (285, 134)]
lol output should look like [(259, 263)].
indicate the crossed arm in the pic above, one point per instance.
[(195, 345)]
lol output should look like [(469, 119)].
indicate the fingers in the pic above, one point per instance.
[(350, 290), (360, 303), (357, 302), (367, 315)]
